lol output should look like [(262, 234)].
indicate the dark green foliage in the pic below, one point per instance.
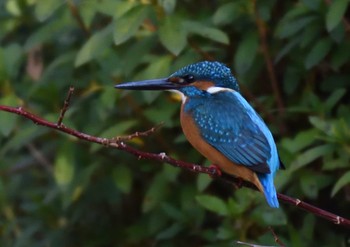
[(59, 191)]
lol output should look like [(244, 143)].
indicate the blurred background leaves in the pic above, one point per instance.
[(58, 191)]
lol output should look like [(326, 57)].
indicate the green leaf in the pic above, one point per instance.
[(126, 26), (298, 11), (310, 34), (225, 233), (311, 183), (45, 8), (158, 68), (116, 8), (292, 79), (343, 180), (123, 178), (270, 217), (168, 5), (170, 173), (274, 217), (95, 46), (321, 124), (203, 181), (335, 13), (289, 27), (161, 113), (135, 51), (235, 208), (227, 13), (206, 32), (313, 4), (173, 211), (335, 97), (155, 193), (213, 204), (172, 35), (118, 129), (339, 57), (318, 52), (13, 7), (300, 141), (88, 10), (170, 232), (3, 73), (338, 34), (27, 134), (64, 164), (246, 52), (13, 54), (47, 32), (310, 155), (8, 120), (287, 48)]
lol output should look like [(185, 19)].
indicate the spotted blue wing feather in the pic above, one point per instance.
[(226, 125)]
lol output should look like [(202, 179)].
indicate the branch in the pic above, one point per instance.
[(76, 15), (65, 105), (119, 143), (137, 134), (277, 240), (269, 65)]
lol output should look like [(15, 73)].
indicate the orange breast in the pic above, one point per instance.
[(192, 134)]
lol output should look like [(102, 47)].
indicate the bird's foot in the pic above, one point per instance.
[(218, 171)]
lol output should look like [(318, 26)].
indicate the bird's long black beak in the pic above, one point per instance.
[(154, 84)]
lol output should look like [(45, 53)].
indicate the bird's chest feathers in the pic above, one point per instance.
[(208, 116), (192, 132), (194, 122)]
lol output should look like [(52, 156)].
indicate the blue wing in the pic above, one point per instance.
[(230, 124)]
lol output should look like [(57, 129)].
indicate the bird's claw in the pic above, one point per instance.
[(218, 172)]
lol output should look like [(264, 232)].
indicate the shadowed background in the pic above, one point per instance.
[(291, 59)]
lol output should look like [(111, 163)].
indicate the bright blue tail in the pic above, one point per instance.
[(270, 190)]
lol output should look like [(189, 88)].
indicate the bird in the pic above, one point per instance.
[(219, 122)]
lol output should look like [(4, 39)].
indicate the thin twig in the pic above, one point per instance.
[(277, 240), (75, 13), (40, 158), (137, 134), (252, 245), (65, 105)]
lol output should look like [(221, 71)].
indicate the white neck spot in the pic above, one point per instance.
[(213, 90)]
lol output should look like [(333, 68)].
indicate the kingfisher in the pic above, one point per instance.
[(218, 122)]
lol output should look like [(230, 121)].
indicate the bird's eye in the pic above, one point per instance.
[(188, 79)]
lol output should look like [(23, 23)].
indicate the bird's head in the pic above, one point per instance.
[(190, 80)]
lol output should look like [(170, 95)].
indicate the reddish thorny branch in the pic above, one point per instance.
[(119, 143)]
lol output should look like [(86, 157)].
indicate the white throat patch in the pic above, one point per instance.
[(183, 97)]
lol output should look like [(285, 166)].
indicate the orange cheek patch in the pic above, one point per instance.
[(203, 85)]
